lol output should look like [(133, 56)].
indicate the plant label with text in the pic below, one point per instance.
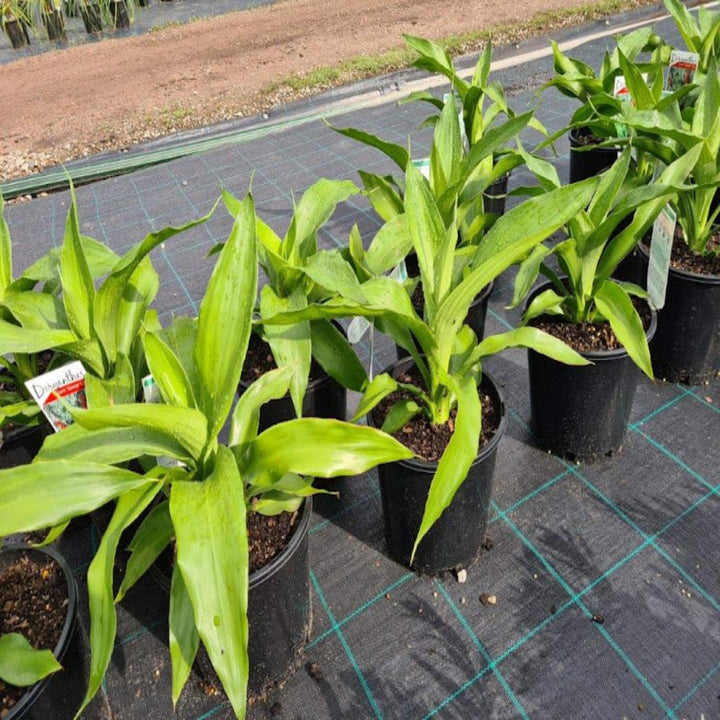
[(58, 391), (660, 250)]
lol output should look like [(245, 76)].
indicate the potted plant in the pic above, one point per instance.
[(207, 497), (456, 180), (593, 127), (15, 21), (435, 393), (298, 273), (686, 347), (476, 118), (41, 646), (583, 412)]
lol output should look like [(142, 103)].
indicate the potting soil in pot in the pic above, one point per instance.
[(33, 602)]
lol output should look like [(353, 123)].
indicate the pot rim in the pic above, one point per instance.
[(32, 692), (596, 355), (429, 466), (573, 135), (685, 275)]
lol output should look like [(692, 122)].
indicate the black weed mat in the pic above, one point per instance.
[(605, 576)]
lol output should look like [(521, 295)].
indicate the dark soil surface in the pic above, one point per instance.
[(33, 602), (259, 360), (588, 337), (269, 536), (683, 258), (426, 440)]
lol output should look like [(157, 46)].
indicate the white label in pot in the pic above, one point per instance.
[(660, 251), (58, 391)]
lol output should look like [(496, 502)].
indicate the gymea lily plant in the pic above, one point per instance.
[(202, 501)]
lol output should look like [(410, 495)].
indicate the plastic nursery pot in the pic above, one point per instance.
[(582, 412), (588, 163), (495, 196), (454, 541), (54, 24), (59, 695), (686, 346), (279, 615), (119, 12), (21, 444), (17, 33), (91, 18), (475, 318)]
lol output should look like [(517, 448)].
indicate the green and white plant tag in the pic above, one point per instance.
[(423, 165), (660, 250), (59, 390), (622, 92)]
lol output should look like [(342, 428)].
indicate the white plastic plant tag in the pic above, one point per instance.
[(151, 391), (622, 92), (357, 327), (59, 390), (681, 69), (399, 272), (660, 250), (423, 165)]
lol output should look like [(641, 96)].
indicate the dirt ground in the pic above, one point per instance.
[(74, 102)]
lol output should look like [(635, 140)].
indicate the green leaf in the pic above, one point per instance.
[(15, 339), (103, 620), (319, 448), (391, 244), (615, 304), (168, 372), (547, 302), (332, 272), (184, 639), (245, 418), (382, 195), (5, 252), (528, 272), (290, 345), (151, 538), (457, 458), (117, 313), (336, 356), (314, 209), (77, 282), (397, 153), (379, 388), (212, 555), (20, 663), (509, 240), (533, 338), (45, 494), (225, 319), (186, 426), (400, 414), (36, 310)]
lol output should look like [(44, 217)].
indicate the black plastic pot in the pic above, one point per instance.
[(495, 196), (54, 24), (588, 163), (455, 539), (20, 445), (686, 347), (582, 412), (91, 17), (17, 33), (58, 696), (119, 13), (279, 616), (475, 318)]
